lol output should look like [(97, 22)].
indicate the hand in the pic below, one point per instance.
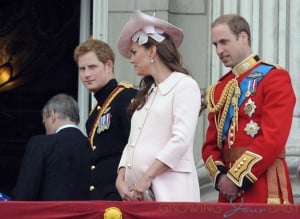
[(229, 190), (126, 192), (140, 188)]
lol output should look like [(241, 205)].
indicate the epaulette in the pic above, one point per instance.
[(125, 84), (272, 64)]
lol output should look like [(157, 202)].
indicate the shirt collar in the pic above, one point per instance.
[(66, 126)]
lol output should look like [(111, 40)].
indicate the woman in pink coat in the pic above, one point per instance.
[(158, 157)]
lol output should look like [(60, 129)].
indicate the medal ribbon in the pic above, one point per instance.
[(106, 103)]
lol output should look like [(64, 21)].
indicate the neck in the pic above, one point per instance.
[(161, 72)]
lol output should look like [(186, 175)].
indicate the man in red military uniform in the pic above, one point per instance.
[(250, 114)]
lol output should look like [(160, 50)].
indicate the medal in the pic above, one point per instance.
[(103, 123), (251, 128), (250, 107), (252, 86), (252, 83)]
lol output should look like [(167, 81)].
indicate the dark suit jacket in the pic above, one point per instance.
[(109, 143), (55, 167)]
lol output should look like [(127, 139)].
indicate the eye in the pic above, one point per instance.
[(133, 52), (224, 42)]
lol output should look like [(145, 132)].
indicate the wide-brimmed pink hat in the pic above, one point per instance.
[(140, 26)]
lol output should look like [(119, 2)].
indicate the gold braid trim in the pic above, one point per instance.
[(243, 167), (230, 95), (212, 169)]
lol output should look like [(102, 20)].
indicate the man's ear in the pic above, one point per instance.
[(244, 36), (109, 66), (52, 115)]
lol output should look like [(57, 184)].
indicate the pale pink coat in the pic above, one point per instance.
[(164, 129)]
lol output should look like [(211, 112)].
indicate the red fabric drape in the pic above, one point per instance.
[(144, 210)]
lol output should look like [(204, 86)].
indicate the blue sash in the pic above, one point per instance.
[(254, 77)]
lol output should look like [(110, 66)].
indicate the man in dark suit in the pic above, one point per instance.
[(55, 166), (108, 124)]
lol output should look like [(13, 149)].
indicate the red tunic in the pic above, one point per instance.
[(273, 104)]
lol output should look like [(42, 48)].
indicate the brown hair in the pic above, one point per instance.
[(102, 50), (170, 56), (236, 24)]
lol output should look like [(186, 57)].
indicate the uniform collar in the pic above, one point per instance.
[(170, 82), (103, 93), (246, 64)]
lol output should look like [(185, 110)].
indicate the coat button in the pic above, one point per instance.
[(92, 188)]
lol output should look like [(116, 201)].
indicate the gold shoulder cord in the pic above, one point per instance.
[(230, 95)]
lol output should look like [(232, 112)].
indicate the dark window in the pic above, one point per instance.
[(37, 39)]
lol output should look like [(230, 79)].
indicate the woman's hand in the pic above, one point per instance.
[(140, 188), (157, 168), (126, 193)]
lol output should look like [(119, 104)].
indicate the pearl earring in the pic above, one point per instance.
[(151, 60)]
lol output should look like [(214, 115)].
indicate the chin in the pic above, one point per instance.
[(90, 88), (228, 65)]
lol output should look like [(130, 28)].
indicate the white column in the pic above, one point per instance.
[(100, 19), (100, 25), (83, 93), (293, 61)]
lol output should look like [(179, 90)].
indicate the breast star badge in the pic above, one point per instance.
[(250, 107), (252, 128)]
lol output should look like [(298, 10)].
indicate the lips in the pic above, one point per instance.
[(224, 58), (88, 82)]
